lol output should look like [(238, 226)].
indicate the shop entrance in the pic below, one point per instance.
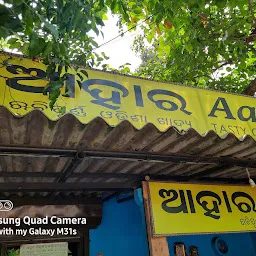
[(59, 219), (77, 246)]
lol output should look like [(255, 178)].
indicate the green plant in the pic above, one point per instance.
[(210, 44), (13, 252)]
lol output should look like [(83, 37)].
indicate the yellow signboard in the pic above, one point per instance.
[(178, 208), (116, 98)]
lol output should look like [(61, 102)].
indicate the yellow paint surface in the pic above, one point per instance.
[(116, 98)]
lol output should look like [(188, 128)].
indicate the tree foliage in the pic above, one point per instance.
[(55, 31), (190, 40), (59, 32), (203, 43)]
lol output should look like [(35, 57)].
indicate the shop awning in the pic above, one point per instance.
[(117, 131), (65, 158)]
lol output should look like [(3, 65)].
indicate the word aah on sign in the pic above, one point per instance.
[(209, 201)]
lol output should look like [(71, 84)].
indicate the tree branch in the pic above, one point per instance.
[(229, 62), (252, 12), (251, 88), (203, 75)]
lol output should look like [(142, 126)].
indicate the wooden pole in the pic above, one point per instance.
[(158, 246), (84, 245)]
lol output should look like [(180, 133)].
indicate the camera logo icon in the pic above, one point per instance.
[(5, 205)]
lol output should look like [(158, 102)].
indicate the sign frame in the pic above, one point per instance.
[(116, 98), (152, 219)]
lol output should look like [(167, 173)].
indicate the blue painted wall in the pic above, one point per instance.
[(243, 244), (253, 236), (122, 231)]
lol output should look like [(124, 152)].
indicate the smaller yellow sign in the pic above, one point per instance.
[(181, 208)]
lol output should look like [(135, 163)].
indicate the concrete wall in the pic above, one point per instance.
[(122, 231)]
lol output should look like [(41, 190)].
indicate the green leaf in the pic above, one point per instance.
[(63, 110), (150, 36), (137, 10), (104, 56), (114, 5), (47, 50), (60, 67), (3, 32), (101, 3), (104, 17), (99, 21), (50, 69), (94, 43), (36, 45), (62, 48), (126, 70), (52, 29), (46, 88), (181, 31), (51, 104), (67, 94), (12, 41), (189, 48), (5, 14), (29, 22), (124, 11), (56, 85), (96, 30)]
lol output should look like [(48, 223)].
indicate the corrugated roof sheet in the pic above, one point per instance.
[(35, 130)]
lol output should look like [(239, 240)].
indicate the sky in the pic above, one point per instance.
[(119, 51)]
